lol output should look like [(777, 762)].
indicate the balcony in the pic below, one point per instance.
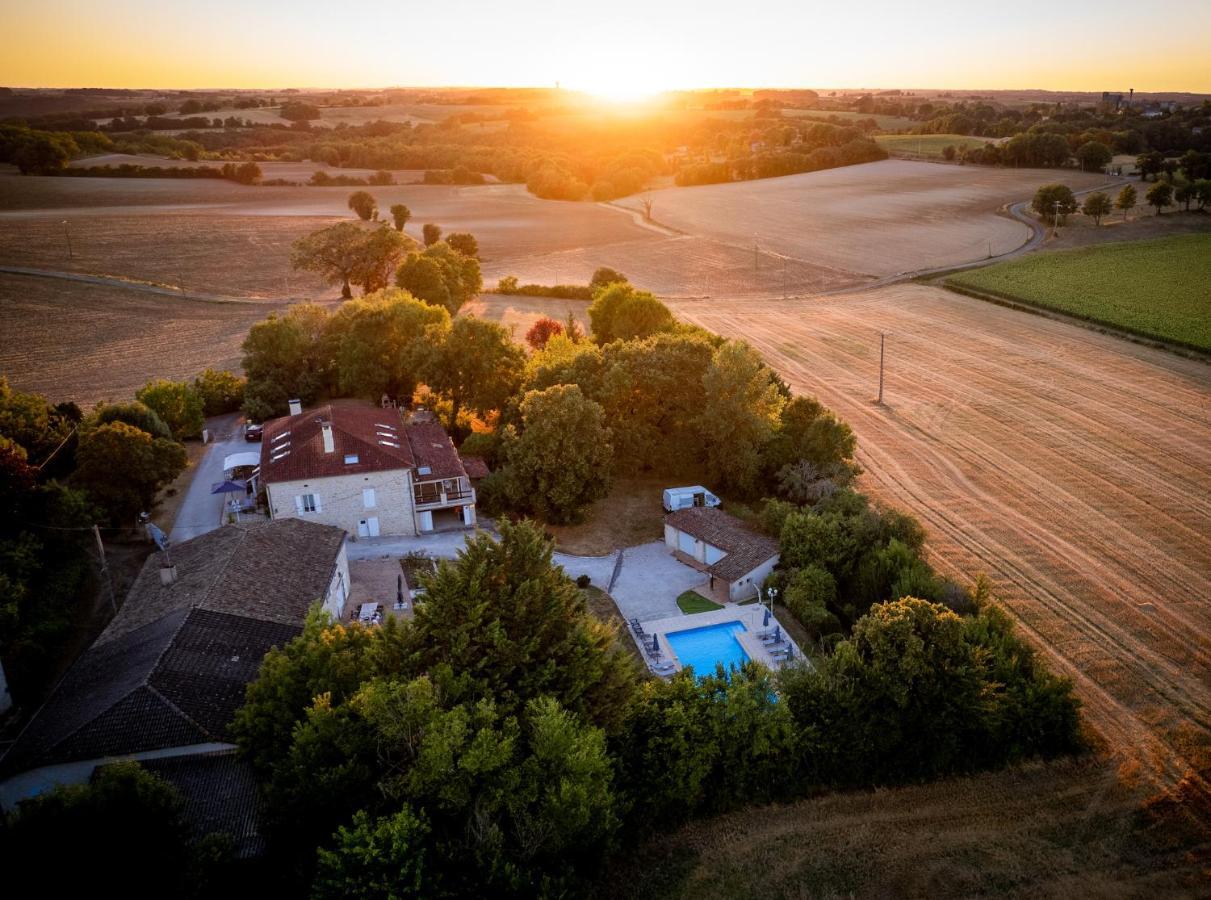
[(436, 494)]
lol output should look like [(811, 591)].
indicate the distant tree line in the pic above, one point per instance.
[(241, 173)]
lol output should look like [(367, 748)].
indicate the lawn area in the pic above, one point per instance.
[(693, 602), (927, 145), (1154, 288)]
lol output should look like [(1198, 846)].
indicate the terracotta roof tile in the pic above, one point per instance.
[(746, 549), (433, 449), (292, 448), (476, 468), (271, 571)]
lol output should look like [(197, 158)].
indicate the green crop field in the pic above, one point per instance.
[(927, 145), (1156, 288)]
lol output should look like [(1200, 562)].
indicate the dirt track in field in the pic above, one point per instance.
[(1071, 467)]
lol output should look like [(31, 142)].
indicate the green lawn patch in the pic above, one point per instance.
[(693, 602), (1154, 288)]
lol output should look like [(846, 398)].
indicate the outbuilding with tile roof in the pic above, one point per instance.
[(737, 558)]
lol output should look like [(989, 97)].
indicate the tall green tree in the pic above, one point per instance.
[(440, 275), (364, 204), (1159, 196), (221, 391), (474, 365), (177, 404), (122, 469), (511, 626), (378, 343), (1096, 206), (1093, 156), (378, 256), (464, 243), (431, 233), (334, 253), (400, 214), (124, 820), (561, 461), (1054, 203), (284, 359), (741, 409), (619, 312), (1125, 201)]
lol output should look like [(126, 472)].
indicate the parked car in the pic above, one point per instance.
[(253, 431)]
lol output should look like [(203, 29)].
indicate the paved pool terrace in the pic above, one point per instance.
[(752, 617)]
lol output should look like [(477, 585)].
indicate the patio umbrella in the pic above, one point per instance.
[(229, 487), (655, 643), (777, 633), (790, 652), (765, 621), (399, 590)]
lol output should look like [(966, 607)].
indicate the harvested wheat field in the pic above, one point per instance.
[(84, 342), (1071, 467), (875, 219)]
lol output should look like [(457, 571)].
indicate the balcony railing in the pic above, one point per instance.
[(435, 494)]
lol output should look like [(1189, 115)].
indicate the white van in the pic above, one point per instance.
[(685, 497)]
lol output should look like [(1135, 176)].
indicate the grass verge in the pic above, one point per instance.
[(693, 602)]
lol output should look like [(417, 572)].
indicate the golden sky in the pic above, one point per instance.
[(624, 47)]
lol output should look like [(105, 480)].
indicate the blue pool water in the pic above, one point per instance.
[(703, 647)]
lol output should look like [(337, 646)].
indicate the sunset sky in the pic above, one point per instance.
[(623, 47)]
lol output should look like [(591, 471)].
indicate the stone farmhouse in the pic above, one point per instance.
[(362, 468)]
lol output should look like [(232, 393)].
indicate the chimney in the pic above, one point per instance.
[(326, 429), (296, 407), (168, 574)]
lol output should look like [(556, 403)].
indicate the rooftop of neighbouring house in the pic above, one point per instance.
[(364, 438), (746, 549), (171, 669)]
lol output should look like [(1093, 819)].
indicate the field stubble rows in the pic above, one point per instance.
[(1073, 469)]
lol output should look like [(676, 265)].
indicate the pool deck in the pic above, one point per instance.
[(752, 616)]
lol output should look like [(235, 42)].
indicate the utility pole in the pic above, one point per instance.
[(67, 236), (105, 576), (756, 257), (880, 400)]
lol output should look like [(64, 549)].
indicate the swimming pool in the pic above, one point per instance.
[(703, 647)]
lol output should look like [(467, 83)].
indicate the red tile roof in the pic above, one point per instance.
[(476, 468), (745, 548), (433, 449), (292, 448)]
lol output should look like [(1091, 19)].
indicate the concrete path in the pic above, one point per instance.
[(202, 511), (651, 581)]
